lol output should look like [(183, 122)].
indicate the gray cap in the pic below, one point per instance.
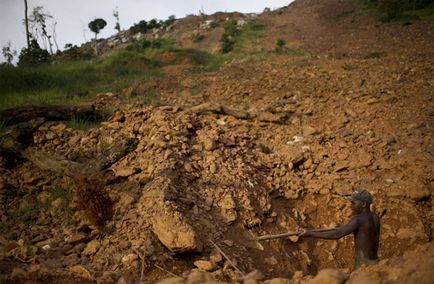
[(361, 195)]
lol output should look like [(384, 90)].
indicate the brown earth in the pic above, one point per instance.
[(261, 146)]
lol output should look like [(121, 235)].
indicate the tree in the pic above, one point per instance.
[(95, 26), (33, 55), (116, 15), (38, 21), (8, 54), (53, 32), (142, 26), (26, 23)]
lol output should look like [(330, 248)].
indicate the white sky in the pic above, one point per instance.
[(73, 16)]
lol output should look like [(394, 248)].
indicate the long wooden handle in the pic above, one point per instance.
[(287, 234), (278, 236)]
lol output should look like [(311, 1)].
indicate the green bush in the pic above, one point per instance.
[(33, 55), (228, 38), (389, 10), (280, 45), (197, 37), (142, 26), (227, 43)]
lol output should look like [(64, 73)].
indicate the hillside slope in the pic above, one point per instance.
[(263, 145)]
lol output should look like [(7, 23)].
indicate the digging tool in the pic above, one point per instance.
[(288, 234), (254, 241), (278, 236)]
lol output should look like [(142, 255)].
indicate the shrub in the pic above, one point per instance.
[(228, 37), (197, 37), (280, 45), (227, 43), (142, 26), (33, 55), (390, 9)]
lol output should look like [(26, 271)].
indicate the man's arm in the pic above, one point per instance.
[(335, 233)]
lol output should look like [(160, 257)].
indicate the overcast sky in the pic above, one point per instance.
[(73, 16)]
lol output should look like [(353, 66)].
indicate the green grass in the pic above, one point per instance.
[(248, 35), (70, 82), (75, 81), (397, 10), (80, 123)]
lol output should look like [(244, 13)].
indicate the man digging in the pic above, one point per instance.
[(364, 224)]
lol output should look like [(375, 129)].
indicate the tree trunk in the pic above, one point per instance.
[(51, 112), (96, 45), (17, 140), (26, 23)]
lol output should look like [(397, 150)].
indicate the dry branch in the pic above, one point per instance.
[(51, 112), (227, 258)]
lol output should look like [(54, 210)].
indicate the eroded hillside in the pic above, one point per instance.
[(262, 146)]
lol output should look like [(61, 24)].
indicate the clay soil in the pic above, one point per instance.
[(262, 146)]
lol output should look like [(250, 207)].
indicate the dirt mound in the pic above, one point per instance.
[(259, 147)]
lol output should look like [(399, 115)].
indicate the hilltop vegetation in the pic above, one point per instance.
[(389, 10)]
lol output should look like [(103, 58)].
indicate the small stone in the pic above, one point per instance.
[(216, 257), (74, 140), (92, 247), (128, 259), (371, 101), (50, 136), (221, 122), (81, 272), (209, 144), (308, 163), (76, 238), (254, 275), (118, 117), (308, 131), (229, 243), (57, 203), (271, 261), (204, 265), (294, 239), (213, 168), (126, 172)]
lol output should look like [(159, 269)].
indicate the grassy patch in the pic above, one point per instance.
[(72, 81), (248, 35), (398, 10), (80, 123)]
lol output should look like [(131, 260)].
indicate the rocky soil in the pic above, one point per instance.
[(261, 146)]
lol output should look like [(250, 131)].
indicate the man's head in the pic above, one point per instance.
[(360, 199)]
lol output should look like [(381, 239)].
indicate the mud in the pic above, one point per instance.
[(198, 178)]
